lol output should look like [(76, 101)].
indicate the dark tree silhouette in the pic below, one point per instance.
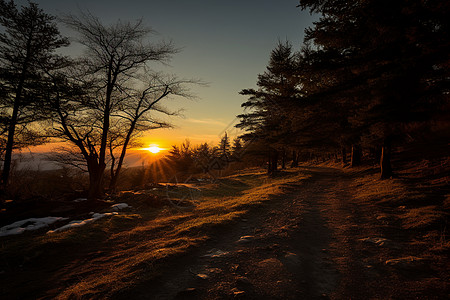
[(237, 149), (181, 160), (368, 72), (135, 114), (224, 149), (204, 155), (28, 41), (268, 120), (116, 58), (385, 61)]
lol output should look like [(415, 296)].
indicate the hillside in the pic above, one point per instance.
[(310, 232)]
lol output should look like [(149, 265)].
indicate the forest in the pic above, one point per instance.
[(370, 77), (332, 183)]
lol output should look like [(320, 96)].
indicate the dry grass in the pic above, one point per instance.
[(423, 217), (114, 253), (177, 233), (417, 200)]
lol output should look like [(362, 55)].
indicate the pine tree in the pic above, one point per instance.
[(383, 61), (237, 149), (27, 50), (224, 148), (203, 157), (268, 120)]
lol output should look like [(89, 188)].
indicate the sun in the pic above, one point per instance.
[(154, 149)]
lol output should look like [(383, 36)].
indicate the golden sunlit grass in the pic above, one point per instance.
[(425, 213), (422, 217), (174, 234), (397, 194), (113, 254), (132, 245), (390, 192)]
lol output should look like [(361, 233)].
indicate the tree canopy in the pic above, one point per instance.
[(28, 41), (366, 72)]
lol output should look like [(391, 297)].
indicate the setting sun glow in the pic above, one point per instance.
[(154, 149)]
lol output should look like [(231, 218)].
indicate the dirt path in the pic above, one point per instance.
[(314, 242)]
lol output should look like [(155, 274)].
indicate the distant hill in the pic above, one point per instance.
[(42, 160)]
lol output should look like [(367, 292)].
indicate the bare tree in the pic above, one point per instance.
[(135, 116), (103, 91)]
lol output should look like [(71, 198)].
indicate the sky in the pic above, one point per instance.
[(224, 43)]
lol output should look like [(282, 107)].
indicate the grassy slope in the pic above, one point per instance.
[(414, 218), (113, 253)]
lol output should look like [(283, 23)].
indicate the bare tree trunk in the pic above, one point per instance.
[(112, 171), (96, 174), (294, 159), (95, 185), (344, 156), (10, 144), (114, 177), (115, 174), (274, 162), (283, 159), (269, 164), (385, 161), (378, 154), (13, 123), (356, 155), (112, 78)]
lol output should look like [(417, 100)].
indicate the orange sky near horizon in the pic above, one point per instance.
[(197, 131), (220, 45)]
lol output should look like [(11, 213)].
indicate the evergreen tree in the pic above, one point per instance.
[(28, 40), (224, 148), (268, 121), (203, 157), (237, 149), (384, 62)]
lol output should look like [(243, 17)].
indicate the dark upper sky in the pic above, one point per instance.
[(226, 43)]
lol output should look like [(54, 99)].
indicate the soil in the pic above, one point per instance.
[(315, 242)]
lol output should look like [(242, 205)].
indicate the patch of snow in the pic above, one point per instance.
[(31, 224), (119, 206), (382, 242), (376, 240), (245, 239), (411, 263), (213, 253), (80, 200), (202, 276), (79, 223), (177, 185)]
